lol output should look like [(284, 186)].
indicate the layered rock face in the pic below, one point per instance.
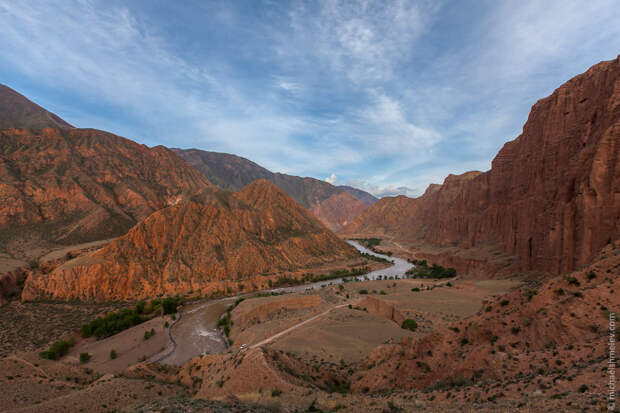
[(214, 236), (76, 185), (331, 204), (552, 196)]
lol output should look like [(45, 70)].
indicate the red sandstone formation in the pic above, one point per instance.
[(551, 197), (216, 236), (76, 185)]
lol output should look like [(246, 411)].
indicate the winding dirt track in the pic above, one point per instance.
[(288, 330)]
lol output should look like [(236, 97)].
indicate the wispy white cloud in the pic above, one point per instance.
[(395, 95), (364, 40), (332, 179)]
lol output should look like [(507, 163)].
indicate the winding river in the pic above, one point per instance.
[(196, 331)]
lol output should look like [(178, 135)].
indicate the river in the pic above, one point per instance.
[(196, 331)]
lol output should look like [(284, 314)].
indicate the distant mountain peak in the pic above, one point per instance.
[(17, 111)]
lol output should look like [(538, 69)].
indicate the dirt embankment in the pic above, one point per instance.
[(260, 310), (377, 306)]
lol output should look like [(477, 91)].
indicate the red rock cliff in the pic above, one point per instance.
[(552, 196)]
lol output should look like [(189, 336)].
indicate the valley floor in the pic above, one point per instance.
[(304, 349)]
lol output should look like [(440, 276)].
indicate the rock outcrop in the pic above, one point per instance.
[(67, 186), (215, 236), (552, 196)]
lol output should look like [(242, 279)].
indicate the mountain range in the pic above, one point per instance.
[(61, 185)]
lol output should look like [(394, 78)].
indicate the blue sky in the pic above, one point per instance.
[(388, 96)]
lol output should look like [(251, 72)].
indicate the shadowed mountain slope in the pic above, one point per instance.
[(16, 111), (233, 172)]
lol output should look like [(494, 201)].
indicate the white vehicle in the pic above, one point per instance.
[(243, 347)]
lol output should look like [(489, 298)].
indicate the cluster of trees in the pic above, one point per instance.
[(369, 243), (310, 278), (125, 318), (372, 244), (422, 270)]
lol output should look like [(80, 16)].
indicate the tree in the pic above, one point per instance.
[(409, 324)]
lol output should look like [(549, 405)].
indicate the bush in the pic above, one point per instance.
[(409, 324), (140, 306), (504, 303), (276, 392), (84, 357), (363, 291), (583, 388), (148, 334), (112, 354), (56, 350), (169, 305), (515, 330)]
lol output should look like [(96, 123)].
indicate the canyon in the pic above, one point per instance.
[(91, 222), (551, 197)]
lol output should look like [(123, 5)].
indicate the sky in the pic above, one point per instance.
[(387, 96)]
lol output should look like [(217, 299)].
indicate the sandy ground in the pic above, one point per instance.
[(8, 263), (61, 251), (343, 334), (130, 346)]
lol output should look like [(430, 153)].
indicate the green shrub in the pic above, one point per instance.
[(409, 324), (140, 306), (504, 303), (583, 388), (84, 357), (363, 291), (56, 350), (415, 289), (112, 354), (170, 304), (276, 392)]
